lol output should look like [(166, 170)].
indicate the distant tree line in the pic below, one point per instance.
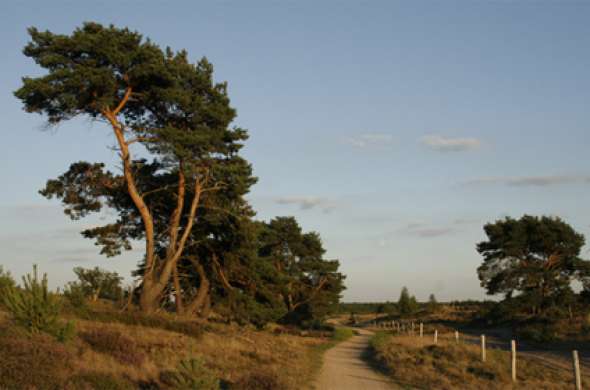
[(185, 197), (406, 306)]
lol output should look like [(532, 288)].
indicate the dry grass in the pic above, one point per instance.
[(241, 357), (417, 364)]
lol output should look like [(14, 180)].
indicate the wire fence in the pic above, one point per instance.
[(570, 361)]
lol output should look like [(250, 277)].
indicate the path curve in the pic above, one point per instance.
[(345, 369)]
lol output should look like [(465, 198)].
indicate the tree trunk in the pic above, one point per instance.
[(206, 308), (200, 299)]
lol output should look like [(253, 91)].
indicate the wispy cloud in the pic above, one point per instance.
[(448, 144), (369, 140), (531, 181), (307, 202), (424, 231)]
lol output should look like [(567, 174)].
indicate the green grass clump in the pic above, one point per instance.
[(342, 334), (191, 374)]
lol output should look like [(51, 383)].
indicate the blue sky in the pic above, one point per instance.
[(395, 129)]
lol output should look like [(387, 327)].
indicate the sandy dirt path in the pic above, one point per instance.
[(345, 369)]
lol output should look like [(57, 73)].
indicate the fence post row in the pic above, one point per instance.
[(483, 347), (421, 330), (435, 337)]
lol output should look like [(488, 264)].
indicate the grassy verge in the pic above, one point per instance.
[(416, 364)]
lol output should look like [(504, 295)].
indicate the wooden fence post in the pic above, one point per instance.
[(421, 330), (577, 376), (483, 347), (513, 350), (457, 336), (435, 337)]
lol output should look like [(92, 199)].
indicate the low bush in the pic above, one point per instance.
[(76, 297), (342, 334), (35, 308), (538, 332), (6, 281), (191, 374), (115, 344)]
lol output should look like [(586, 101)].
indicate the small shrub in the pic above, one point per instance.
[(6, 280), (66, 333), (119, 346), (191, 374), (34, 307), (342, 334), (76, 297), (99, 283)]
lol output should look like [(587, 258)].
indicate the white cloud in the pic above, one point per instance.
[(307, 202), (530, 181), (447, 144), (424, 231), (369, 140)]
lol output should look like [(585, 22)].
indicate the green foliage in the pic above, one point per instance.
[(250, 309), (156, 98), (66, 332), (183, 119), (34, 307), (309, 284), (114, 343), (342, 334), (191, 374), (536, 257), (539, 332), (6, 280), (407, 304), (98, 283), (76, 297)]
